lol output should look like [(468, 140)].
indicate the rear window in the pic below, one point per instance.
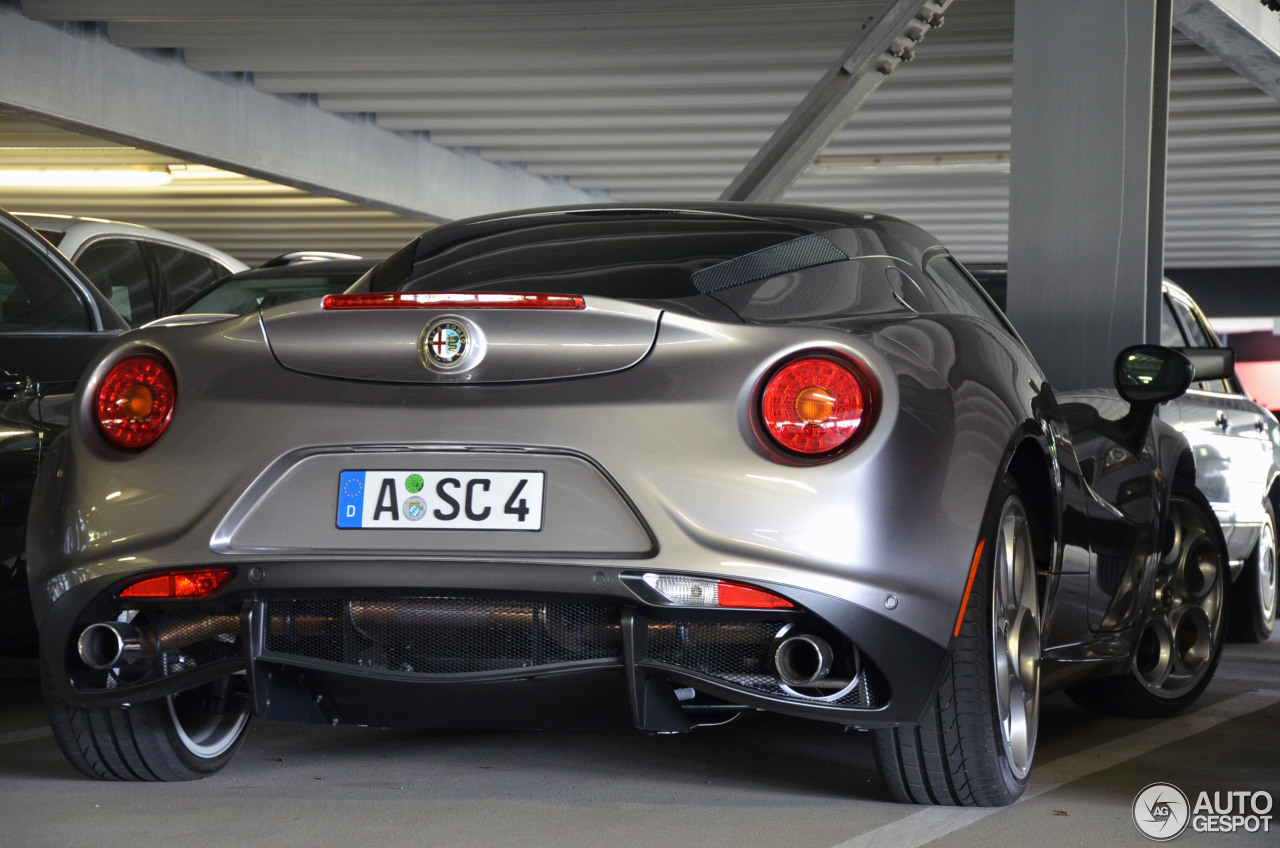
[(240, 295), (620, 257), (961, 293)]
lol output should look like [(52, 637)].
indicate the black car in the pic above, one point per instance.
[(52, 322), (1236, 441)]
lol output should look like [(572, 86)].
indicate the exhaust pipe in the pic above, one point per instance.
[(110, 644), (802, 660)]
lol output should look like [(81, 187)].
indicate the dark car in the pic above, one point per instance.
[(271, 285), (678, 462), (52, 322), (1236, 441)]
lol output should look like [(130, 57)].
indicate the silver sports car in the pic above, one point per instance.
[(683, 462)]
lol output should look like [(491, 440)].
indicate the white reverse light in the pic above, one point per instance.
[(685, 591)]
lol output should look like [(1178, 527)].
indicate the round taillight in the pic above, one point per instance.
[(815, 405), (135, 402)]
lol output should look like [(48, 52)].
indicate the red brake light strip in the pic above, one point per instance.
[(453, 300)]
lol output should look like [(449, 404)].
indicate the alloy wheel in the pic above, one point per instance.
[(1267, 572), (1015, 636), (1176, 648), (204, 731)]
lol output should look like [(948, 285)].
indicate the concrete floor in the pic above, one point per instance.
[(761, 781)]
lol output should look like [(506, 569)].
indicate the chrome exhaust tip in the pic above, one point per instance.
[(802, 660), (109, 644)]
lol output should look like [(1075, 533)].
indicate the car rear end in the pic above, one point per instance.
[(435, 507)]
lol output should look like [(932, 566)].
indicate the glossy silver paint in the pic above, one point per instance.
[(644, 416), (588, 515), (509, 345), (1236, 441), (675, 435)]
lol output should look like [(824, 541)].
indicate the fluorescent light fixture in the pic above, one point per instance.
[(85, 177), (909, 163)]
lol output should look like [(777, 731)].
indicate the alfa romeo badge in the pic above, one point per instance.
[(444, 343)]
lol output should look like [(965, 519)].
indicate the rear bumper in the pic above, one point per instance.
[(387, 644)]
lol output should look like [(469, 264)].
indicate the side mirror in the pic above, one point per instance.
[(1148, 374), (1211, 363)]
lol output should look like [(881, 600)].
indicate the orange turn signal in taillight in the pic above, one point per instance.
[(816, 405), (135, 402), (191, 583)]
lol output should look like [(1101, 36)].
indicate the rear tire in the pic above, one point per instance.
[(1253, 601), (976, 742), (1180, 642), (175, 738)]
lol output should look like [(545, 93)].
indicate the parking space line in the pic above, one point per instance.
[(931, 823), (16, 736)]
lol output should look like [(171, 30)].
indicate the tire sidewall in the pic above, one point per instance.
[(198, 764)]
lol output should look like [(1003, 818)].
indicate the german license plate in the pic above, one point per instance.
[(440, 500)]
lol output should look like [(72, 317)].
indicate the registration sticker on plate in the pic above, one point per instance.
[(441, 500)]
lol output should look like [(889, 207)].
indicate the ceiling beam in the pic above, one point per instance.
[(886, 41), (202, 11), (71, 76), (1244, 34), (284, 55)]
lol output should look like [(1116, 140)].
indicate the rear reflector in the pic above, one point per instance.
[(453, 300), (180, 584), (701, 592)]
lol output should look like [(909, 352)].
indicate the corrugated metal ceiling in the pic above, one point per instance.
[(647, 100)]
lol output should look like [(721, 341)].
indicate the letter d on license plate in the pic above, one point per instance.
[(440, 500)]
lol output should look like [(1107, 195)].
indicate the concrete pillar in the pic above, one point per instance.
[(1086, 206)]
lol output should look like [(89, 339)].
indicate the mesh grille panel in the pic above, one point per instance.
[(738, 653), (461, 635), (443, 635), (794, 255)]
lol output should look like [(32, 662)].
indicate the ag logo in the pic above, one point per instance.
[(1161, 811), (444, 343)]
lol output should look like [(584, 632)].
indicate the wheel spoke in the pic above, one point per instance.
[(1005, 558), (1003, 679), (1267, 571), (1015, 637), (1175, 649)]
